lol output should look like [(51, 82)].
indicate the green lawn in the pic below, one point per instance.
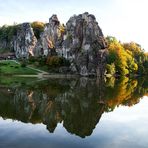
[(12, 68)]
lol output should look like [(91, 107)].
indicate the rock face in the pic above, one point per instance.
[(25, 41), (84, 44), (52, 36)]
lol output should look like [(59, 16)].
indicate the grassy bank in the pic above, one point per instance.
[(13, 68)]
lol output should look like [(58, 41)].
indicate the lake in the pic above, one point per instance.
[(73, 113)]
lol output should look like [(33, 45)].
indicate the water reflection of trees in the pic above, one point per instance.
[(78, 103), (126, 92)]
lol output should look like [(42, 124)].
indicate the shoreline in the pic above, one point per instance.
[(58, 75), (40, 75)]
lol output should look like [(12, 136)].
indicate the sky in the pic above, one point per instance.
[(127, 20)]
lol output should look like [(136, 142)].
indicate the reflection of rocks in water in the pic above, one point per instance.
[(83, 82), (78, 104), (80, 110)]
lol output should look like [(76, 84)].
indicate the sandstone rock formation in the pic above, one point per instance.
[(52, 36), (81, 41), (84, 45), (25, 41)]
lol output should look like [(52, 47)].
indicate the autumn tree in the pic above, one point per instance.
[(38, 28), (123, 56), (138, 54)]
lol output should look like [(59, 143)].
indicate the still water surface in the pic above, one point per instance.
[(70, 113)]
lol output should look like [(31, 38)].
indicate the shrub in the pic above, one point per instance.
[(42, 60), (32, 59), (55, 61), (38, 61), (23, 63)]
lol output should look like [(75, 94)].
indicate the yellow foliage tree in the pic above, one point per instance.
[(38, 28)]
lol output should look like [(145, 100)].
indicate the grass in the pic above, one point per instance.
[(43, 68), (13, 68)]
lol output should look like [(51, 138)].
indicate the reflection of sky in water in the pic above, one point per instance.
[(123, 128)]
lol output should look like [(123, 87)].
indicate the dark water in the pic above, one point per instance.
[(70, 113)]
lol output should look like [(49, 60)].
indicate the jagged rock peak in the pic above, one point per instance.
[(54, 20), (83, 32), (52, 36)]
